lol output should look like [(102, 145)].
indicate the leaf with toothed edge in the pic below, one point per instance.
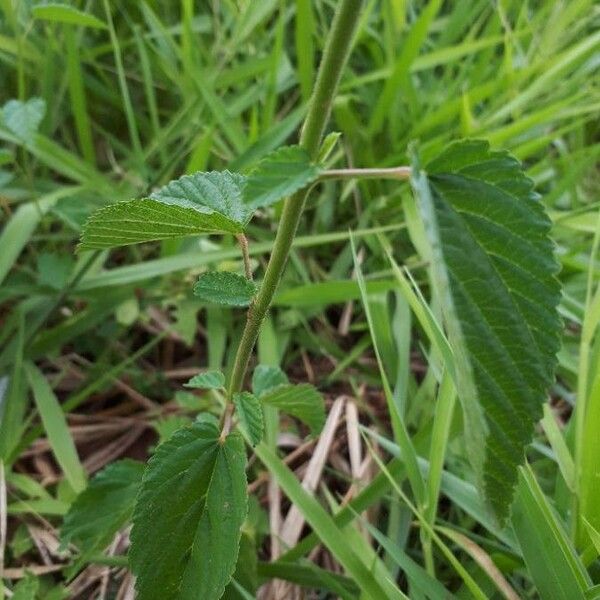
[(250, 413), (279, 175), (191, 205), (222, 287), (208, 380), (267, 377), (213, 192), (188, 515), (302, 401), (494, 269)]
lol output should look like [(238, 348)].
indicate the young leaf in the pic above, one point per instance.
[(188, 515), (302, 401), (494, 268), (265, 378), (213, 192), (136, 221), (192, 205), (209, 380), (250, 413), (24, 118), (278, 175), (223, 287), (103, 507), (64, 13)]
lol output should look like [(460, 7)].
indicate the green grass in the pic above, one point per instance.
[(167, 88)]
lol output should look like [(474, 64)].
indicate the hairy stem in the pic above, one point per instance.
[(334, 59), (243, 242)]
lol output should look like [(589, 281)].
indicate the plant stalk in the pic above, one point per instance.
[(335, 56), (401, 173), (243, 242)]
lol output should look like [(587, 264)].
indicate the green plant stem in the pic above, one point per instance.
[(243, 242), (401, 173), (334, 59)]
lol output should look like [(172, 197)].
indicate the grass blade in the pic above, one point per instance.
[(56, 428)]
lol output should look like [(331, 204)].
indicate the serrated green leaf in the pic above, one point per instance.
[(213, 192), (208, 380), (246, 570), (279, 175), (223, 287), (192, 205), (250, 413), (24, 118), (494, 269), (64, 13), (103, 507), (302, 401), (265, 378), (136, 221), (188, 516)]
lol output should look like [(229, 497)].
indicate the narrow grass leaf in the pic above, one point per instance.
[(417, 575), (594, 535), (301, 401), (560, 448), (64, 13), (223, 287), (250, 413), (188, 516), (279, 175), (494, 266), (57, 429), (551, 559), (324, 526)]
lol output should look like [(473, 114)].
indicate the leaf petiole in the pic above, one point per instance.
[(398, 173), (243, 242)]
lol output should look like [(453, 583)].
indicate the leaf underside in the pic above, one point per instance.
[(279, 175), (222, 287), (103, 507), (250, 413), (301, 401), (494, 267), (189, 514), (191, 205)]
